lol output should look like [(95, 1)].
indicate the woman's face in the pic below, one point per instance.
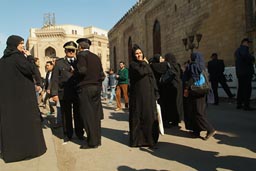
[(139, 55), (20, 47), (161, 59)]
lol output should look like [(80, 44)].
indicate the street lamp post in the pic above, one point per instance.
[(189, 42)]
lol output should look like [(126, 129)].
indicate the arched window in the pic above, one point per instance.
[(130, 49), (156, 38), (50, 52)]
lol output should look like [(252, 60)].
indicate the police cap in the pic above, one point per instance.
[(84, 40), (70, 45)]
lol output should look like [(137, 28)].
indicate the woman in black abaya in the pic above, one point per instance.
[(170, 92), (143, 95), (21, 135), (195, 106)]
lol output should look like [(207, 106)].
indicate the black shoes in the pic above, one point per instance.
[(88, 146), (248, 108), (245, 108), (232, 96), (167, 125), (195, 134), (210, 134), (239, 106), (81, 137)]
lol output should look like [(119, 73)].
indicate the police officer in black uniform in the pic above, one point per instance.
[(91, 75), (64, 83)]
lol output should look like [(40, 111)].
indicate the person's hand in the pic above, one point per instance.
[(185, 93), (48, 91), (26, 52), (55, 98), (38, 88), (145, 59)]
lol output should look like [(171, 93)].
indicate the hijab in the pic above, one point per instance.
[(197, 65), (12, 42), (155, 59), (169, 57)]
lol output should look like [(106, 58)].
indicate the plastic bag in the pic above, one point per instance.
[(159, 117)]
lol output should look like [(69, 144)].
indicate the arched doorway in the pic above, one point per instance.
[(156, 38), (49, 55)]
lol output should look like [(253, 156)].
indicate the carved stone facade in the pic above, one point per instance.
[(47, 42), (160, 25)]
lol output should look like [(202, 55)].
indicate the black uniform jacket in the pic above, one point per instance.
[(63, 81)]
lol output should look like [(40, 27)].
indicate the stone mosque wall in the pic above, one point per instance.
[(222, 24)]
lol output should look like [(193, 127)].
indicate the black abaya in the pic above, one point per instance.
[(20, 124)]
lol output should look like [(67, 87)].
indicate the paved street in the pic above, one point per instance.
[(232, 148)]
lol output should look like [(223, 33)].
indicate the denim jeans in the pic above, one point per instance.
[(112, 94)]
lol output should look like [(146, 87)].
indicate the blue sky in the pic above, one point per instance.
[(17, 17)]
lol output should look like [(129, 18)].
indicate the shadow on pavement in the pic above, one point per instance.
[(127, 168), (234, 127), (199, 159), (120, 116), (116, 135), (49, 122)]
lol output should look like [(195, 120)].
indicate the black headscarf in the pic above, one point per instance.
[(134, 48), (197, 65), (169, 57), (155, 59), (12, 42)]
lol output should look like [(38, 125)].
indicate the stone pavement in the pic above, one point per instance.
[(232, 148)]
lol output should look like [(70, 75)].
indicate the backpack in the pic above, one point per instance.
[(168, 76)]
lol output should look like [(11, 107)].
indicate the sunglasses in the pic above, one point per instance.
[(70, 50)]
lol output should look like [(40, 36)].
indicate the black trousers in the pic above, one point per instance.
[(67, 108), (91, 112), (223, 83), (244, 91)]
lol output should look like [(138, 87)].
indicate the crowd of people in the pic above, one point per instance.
[(77, 84), (73, 84)]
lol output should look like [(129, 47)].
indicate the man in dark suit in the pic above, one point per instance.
[(47, 87), (63, 88), (91, 75), (216, 68), (244, 72)]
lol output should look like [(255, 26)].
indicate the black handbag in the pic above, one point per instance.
[(168, 76)]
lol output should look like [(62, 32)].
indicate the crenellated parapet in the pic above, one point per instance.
[(130, 11), (50, 31)]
